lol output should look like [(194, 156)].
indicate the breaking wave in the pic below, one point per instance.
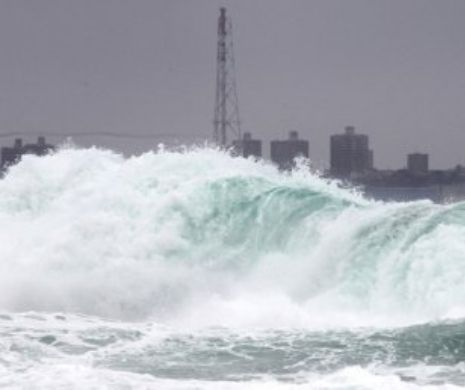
[(200, 238)]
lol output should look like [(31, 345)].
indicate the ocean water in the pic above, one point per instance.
[(197, 270)]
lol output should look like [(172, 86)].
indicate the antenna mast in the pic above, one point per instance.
[(226, 120)]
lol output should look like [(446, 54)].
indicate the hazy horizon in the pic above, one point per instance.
[(392, 69)]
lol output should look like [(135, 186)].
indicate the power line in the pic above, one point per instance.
[(109, 134)]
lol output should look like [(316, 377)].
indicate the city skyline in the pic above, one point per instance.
[(393, 70)]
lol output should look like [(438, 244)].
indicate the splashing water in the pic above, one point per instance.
[(221, 272)]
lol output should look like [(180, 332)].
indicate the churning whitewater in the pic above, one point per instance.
[(195, 269)]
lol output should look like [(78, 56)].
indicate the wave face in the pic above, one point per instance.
[(201, 238), (197, 270)]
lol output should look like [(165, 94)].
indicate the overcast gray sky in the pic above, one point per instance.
[(395, 69)]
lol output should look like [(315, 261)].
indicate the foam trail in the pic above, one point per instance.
[(171, 235)]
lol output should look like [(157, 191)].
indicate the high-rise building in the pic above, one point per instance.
[(284, 152), (247, 146), (11, 155), (350, 153), (417, 163)]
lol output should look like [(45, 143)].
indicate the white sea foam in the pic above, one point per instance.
[(199, 238), (69, 377)]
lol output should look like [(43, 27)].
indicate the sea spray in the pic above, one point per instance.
[(166, 235), (195, 269)]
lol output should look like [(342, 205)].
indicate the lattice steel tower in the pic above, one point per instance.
[(226, 121)]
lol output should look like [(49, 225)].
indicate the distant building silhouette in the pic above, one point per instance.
[(247, 146), (284, 152), (11, 155), (350, 153), (417, 163)]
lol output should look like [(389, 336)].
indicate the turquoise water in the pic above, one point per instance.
[(197, 270)]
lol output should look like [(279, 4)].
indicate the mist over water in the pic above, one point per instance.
[(195, 269)]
